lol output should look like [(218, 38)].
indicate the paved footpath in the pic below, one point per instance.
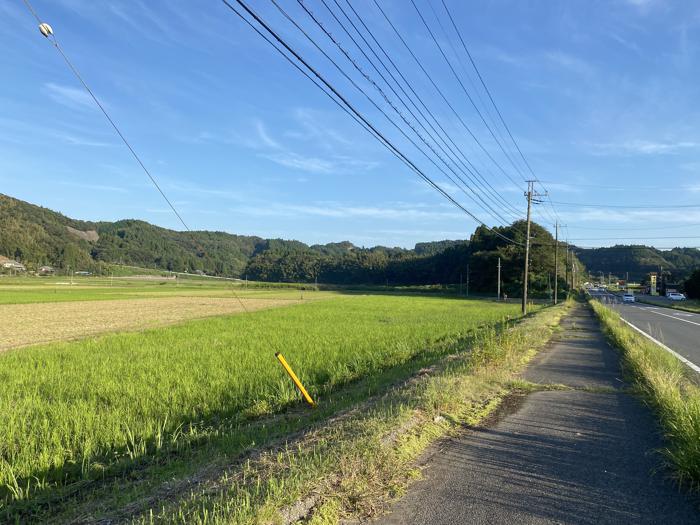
[(579, 456)]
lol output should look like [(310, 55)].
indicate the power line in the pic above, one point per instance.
[(644, 228), (52, 38), (493, 102), (637, 238), (47, 31), (442, 95), (373, 130), (484, 206), (466, 92), (643, 207), (468, 174), (444, 137)]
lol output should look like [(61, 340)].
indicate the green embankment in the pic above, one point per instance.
[(667, 386)]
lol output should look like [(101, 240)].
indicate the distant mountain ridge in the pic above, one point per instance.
[(639, 260), (35, 235)]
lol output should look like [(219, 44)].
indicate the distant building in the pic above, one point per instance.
[(652, 284), (45, 270), (12, 265)]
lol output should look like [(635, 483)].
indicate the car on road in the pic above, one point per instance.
[(675, 296), (628, 298)]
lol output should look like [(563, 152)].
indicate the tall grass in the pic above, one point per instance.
[(353, 465), (665, 383), (99, 407)]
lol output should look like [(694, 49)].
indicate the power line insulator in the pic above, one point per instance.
[(45, 29)]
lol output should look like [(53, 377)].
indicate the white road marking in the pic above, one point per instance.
[(676, 318), (695, 367)]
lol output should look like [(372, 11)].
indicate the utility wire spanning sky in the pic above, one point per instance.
[(600, 96)]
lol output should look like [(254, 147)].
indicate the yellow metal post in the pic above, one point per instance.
[(294, 377)]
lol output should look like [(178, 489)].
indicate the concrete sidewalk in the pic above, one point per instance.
[(581, 456)]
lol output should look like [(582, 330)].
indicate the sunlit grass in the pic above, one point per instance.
[(102, 406), (665, 383), (60, 289)]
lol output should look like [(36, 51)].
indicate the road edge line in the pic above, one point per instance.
[(685, 361)]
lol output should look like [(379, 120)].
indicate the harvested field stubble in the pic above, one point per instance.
[(28, 324)]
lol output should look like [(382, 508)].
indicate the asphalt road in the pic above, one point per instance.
[(581, 456), (678, 330)]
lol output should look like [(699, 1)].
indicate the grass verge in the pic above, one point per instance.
[(690, 305), (353, 465), (665, 383)]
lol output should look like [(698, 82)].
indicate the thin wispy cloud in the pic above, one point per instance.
[(641, 5), (71, 97), (570, 62), (273, 149), (344, 211), (642, 147), (95, 187), (619, 216), (82, 141), (264, 136)]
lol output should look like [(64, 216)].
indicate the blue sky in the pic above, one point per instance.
[(601, 96)]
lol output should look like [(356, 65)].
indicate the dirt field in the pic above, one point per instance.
[(28, 324)]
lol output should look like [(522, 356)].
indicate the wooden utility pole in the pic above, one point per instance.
[(529, 194), (499, 279), (527, 247), (467, 280), (556, 261)]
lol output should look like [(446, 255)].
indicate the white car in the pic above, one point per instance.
[(628, 298), (675, 296)]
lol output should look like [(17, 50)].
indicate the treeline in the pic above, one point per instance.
[(448, 262), (638, 261), (692, 285)]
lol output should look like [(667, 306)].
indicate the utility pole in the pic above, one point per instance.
[(556, 261), (530, 194), (467, 280), (499, 279)]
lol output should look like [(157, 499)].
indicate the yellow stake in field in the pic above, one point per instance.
[(294, 377)]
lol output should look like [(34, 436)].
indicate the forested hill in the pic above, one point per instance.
[(36, 236), (639, 261)]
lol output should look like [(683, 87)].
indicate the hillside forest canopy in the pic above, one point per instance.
[(37, 236)]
